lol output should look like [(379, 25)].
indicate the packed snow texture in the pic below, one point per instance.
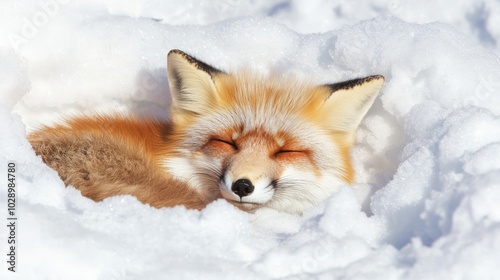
[(426, 202)]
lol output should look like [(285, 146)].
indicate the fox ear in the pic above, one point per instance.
[(191, 83), (350, 100)]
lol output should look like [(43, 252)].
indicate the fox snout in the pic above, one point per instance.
[(248, 177), (247, 193)]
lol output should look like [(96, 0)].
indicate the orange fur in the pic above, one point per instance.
[(108, 156)]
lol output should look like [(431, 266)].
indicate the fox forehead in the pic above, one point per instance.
[(270, 106), (242, 122), (285, 95), (273, 104)]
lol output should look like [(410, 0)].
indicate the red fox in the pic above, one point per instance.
[(256, 141)]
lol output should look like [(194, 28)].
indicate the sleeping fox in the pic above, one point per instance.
[(255, 141)]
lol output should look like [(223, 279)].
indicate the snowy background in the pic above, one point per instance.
[(428, 153)]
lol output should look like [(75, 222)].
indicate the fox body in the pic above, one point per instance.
[(256, 141)]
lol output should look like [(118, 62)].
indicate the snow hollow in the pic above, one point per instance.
[(426, 204)]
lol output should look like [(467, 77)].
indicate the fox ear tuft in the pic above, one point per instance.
[(191, 83), (350, 100)]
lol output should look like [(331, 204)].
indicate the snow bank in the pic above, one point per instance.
[(425, 205)]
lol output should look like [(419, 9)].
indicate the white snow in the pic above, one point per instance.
[(426, 204)]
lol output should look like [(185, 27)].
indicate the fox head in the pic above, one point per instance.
[(272, 141)]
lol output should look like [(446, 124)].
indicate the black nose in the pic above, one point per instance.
[(242, 187)]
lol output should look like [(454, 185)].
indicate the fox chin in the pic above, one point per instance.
[(277, 142)]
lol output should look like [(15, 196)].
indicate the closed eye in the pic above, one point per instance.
[(281, 152), (232, 144)]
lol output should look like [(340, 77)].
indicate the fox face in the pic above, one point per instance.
[(275, 142)]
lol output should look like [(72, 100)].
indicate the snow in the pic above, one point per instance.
[(426, 200)]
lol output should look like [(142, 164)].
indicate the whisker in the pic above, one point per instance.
[(295, 190)]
